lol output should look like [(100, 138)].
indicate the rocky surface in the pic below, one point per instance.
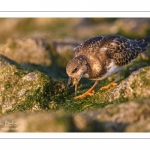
[(22, 90), (44, 55), (33, 55), (27, 50), (36, 50), (137, 85), (27, 98), (130, 117)]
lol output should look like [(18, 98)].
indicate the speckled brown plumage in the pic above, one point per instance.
[(99, 57)]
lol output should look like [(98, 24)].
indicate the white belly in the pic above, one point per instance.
[(111, 69)]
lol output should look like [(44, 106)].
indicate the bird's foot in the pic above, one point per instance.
[(88, 93), (108, 86)]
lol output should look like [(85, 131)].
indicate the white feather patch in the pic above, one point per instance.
[(111, 69)]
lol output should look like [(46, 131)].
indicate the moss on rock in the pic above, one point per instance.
[(22, 90), (137, 85), (126, 117)]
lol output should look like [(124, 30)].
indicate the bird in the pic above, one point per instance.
[(100, 57)]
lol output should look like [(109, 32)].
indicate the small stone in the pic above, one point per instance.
[(31, 76), (22, 92)]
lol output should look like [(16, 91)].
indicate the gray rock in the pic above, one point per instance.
[(137, 85)]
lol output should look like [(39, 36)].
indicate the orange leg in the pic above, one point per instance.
[(108, 86), (90, 92)]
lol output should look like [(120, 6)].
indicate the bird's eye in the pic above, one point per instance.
[(75, 69)]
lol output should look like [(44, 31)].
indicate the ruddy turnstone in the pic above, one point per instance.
[(100, 57)]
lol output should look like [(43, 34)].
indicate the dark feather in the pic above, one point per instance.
[(119, 48)]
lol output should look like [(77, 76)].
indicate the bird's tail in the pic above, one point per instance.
[(143, 44)]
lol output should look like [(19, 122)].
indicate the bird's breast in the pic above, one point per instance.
[(106, 72)]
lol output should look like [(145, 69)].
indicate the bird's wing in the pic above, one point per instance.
[(123, 50), (118, 48), (88, 46)]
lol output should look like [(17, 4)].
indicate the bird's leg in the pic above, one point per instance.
[(114, 83), (118, 77), (108, 86), (90, 92)]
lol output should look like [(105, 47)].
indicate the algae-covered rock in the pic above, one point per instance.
[(126, 117), (137, 85), (22, 90)]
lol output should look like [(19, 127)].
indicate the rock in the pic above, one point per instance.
[(50, 57), (135, 86), (33, 122), (119, 118), (130, 27), (29, 50), (22, 90), (131, 116), (125, 117), (141, 126)]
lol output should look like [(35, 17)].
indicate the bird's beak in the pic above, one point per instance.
[(74, 83), (69, 82)]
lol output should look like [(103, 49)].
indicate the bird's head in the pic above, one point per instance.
[(76, 68)]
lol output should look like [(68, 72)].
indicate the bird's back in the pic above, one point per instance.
[(116, 47)]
